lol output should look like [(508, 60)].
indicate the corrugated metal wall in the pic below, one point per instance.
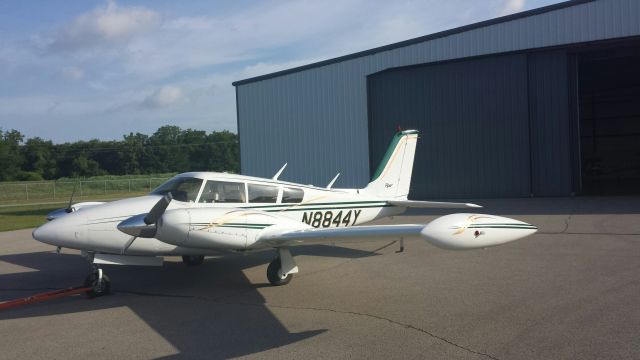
[(317, 118), (490, 127), (473, 122), (550, 124)]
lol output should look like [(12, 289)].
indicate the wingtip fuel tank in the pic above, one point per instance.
[(474, 231)]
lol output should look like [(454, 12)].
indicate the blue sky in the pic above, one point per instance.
[(78, 70)]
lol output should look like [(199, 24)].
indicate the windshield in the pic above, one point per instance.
[(181, 188)]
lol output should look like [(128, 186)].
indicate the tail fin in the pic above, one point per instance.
[(393, 177)]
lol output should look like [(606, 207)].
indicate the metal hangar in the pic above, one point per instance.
[(540, 103)]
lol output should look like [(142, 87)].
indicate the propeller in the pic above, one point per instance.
[(69, 209), (158, 209), (144, 225)]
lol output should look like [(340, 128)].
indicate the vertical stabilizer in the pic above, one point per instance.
[(393, 176)]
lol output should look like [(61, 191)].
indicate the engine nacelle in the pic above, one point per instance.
[(208, 228), (473, 231)]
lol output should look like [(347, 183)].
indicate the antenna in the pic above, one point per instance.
[(275, 177), (333, 181)]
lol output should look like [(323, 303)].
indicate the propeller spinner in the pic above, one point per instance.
[(144, 225)]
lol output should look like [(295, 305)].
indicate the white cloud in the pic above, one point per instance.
[(165, 96), (73, 72), (512, 6), (104, 25), (140, 67)]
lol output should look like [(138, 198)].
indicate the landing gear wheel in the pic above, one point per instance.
[(274, 275), (99, 287), (193, 260)]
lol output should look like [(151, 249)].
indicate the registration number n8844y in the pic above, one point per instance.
[(335, 218)]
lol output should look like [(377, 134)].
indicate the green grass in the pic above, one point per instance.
[(30, 192), (24, 217), (26, 204), (16, 217)]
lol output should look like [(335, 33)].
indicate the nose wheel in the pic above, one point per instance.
[(98, 282)]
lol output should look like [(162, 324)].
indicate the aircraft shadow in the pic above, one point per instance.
[(208, 311)]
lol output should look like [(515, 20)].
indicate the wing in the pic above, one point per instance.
[(288, 237), (431, 204)]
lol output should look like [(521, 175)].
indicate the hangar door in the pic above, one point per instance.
[(609, 108), (473, 121)]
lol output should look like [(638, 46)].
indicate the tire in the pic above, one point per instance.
[(193, 260), (98, 289), (272, 274)]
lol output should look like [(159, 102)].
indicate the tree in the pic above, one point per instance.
[(169, 149), (39, 158), (11, 159)]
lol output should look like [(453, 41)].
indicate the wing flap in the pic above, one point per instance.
[(431, 204), (288, 237)]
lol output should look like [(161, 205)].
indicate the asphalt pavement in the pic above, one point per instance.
[(569, 292)]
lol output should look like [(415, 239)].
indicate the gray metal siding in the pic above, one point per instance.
[(317, 118), (550, 132), (294, 125), (473, 122)]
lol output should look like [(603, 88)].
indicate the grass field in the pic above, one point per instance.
[(26, 204), (37, 192), (15, 217), (23, 217)]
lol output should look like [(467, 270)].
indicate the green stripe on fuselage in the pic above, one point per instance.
[(314, 204)]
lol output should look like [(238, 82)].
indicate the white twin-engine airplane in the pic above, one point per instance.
[(201, 213)]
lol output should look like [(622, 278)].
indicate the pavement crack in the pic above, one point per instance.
[(407, 326), (566, 223), (308, 308), (566, 231)]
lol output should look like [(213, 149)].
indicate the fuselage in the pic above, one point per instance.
[(245, 203)]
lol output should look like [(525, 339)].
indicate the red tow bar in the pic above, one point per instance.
[(45, 296)]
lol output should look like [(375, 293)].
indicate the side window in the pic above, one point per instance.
[(292, 195), (222, 192), (263, 193)]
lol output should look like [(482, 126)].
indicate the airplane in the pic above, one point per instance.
[(197, 214)]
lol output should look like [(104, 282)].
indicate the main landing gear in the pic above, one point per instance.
[(280, 271), (193, 260)]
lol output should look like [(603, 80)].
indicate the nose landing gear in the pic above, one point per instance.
[(98, 281)]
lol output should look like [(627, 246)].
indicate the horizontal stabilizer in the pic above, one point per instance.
[(431, 204)]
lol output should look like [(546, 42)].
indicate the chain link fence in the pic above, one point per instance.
[(40, 191)]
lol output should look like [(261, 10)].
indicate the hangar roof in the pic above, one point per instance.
[(421, 39)]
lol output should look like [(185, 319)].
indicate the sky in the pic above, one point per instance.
[(79, 70)]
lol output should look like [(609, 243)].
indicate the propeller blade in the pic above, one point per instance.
[(128, 245), (158, 209), (69, 209)]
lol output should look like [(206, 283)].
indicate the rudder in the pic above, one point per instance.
[(392, 179)]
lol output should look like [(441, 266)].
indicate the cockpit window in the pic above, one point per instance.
[(222, 192), (181, 188)]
